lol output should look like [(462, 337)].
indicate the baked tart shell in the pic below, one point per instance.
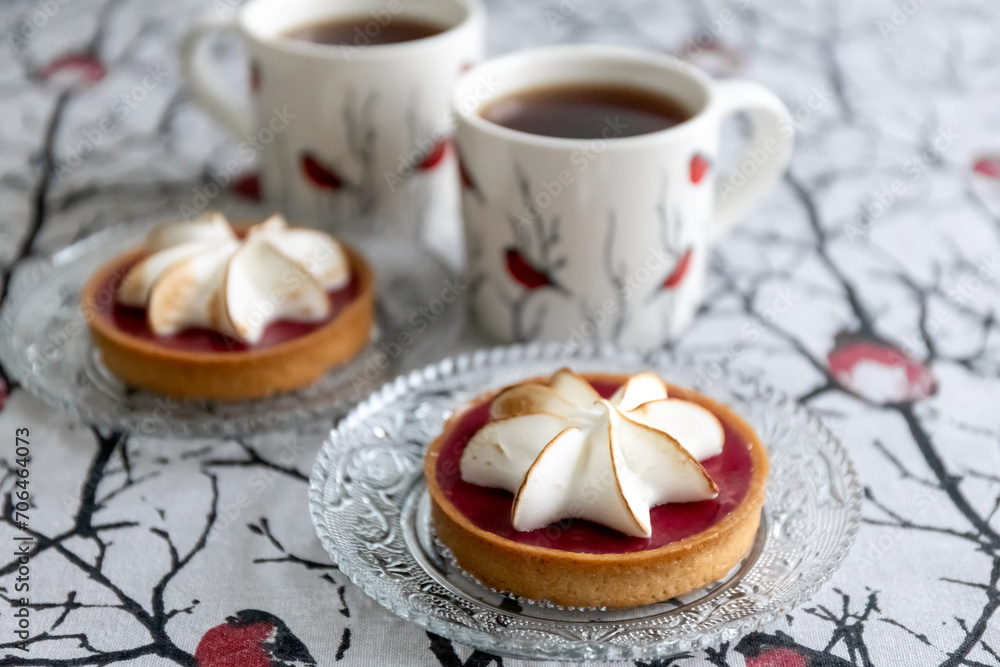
[(237, 375), (603, 580)]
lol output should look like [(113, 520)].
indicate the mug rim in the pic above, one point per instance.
[(475, 13), (578, 52)]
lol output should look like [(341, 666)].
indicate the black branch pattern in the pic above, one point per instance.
[(881, 233)]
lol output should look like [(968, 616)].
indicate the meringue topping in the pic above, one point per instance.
[(566, 452), (203, 274)]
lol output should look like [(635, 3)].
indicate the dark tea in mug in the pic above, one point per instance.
[(364, 31), (586, 111)]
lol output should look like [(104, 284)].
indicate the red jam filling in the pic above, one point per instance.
[(133, 321), (489, 509)]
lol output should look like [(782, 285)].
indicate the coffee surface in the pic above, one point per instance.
[(364, 31), (586, 111)]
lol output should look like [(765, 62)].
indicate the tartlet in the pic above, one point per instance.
[(231, 371), (547, 565)]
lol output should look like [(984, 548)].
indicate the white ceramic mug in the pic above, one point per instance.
[(346, 136), (605, 239)]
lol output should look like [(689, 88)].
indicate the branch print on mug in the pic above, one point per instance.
[(355, 115), (671, 231), (632, 252), (531, 262)]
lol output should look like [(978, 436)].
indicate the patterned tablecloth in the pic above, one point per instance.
[(866, 286)]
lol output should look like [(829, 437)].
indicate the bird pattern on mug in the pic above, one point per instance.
[(672, 232), (698, 167), (532, 266), (319, 174), (349, 185)]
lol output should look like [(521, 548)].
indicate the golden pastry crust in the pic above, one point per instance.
[(230, 376), (595, 580)]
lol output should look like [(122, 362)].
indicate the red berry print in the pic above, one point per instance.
[(463, 173), (698, 168), (319, 174), (679, 272), (247, 187), (254, 76), (434, 157), (524, 272)]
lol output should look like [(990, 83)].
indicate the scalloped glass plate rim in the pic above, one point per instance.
[(586, 649)]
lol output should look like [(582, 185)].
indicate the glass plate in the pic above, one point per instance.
[(370, 507), (46, 347)]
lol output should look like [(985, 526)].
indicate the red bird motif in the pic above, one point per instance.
[(434, 157), (525, 273), (4, 393), (88, 68), (679, 272), (698, 168), (987, 166), (319, 174), (252, 638), (777, 657), (780, 650), (254, 76), (247, 187), (879, 370)]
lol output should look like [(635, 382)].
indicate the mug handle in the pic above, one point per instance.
[(772, 133), (202, 87)]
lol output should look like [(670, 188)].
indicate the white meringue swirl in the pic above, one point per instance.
[(565, 452), (202, 274)]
